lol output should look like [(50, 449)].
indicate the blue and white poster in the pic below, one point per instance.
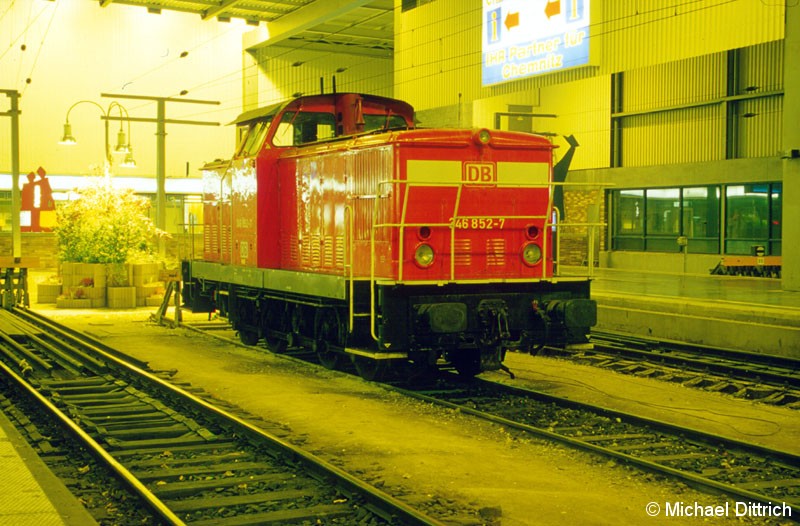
[(522, 38)]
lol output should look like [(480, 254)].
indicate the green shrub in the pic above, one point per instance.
[(105, 225)]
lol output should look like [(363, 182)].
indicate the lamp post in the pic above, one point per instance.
[(16, 238), (123, 146), (161, 149)]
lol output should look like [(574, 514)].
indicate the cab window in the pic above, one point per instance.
[(380, 122), (304, 127), (252, 139)]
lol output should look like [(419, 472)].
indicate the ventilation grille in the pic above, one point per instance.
[(463, 252), (495, 252)]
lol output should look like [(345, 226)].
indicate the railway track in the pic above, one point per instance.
[(769, 379), (185, 460), (708, 462)]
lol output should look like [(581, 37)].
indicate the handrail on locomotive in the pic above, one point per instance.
[(451, 225)]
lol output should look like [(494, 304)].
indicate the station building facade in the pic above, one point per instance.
[(679, 112), (685, 114)]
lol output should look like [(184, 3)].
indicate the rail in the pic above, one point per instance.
[(706, 461), (150, 414)]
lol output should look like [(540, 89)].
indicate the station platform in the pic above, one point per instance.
[(735, 312), (30, 495)]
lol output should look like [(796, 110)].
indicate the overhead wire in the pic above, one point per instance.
[(41, 47), (29, 24), (20, 35), (8, 10), (178, 57), (23, 46)]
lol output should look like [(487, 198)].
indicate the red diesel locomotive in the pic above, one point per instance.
[(340, 227)]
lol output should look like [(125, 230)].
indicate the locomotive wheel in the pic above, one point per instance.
[(248, 337), (369, 369), (328, 330), (467, 363), (277, 345), (274, 319), (292, 325)]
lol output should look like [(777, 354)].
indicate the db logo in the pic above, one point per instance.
[(480, 173)]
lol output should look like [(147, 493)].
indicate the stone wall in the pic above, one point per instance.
[(39, 245), (581, 206), (44, 246)]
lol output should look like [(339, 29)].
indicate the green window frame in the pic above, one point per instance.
[(656, 219), (753, 218)]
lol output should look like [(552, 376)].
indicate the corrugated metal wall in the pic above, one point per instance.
[(674, 135), (583, 109), (760, 126), (670, 134), (284, 72), (674, 83), (760, 120), (679, 136), (438, 45), (672, 53), (437, 52), (631, 33), (761, 67)]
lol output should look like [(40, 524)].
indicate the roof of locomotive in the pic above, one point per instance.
[(369, 102), (461, 137), (257, 113), (378, 105)]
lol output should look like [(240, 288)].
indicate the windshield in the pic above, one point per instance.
[(252, 137), (304, 127)]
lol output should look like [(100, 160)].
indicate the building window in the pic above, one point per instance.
[(701, 219), (753, 218), (663, 206), (776, 218), (183, 214), (628, 221), (653, 219)]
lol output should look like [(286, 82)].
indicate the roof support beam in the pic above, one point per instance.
[(304, 18), (220, 9), (344, 49)]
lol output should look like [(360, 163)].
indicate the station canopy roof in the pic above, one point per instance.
[(359, 27)]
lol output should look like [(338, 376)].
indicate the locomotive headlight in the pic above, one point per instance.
[(482, 137), (531, 254), (424, 255)]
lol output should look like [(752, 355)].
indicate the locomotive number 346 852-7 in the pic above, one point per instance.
[(479, 223)]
